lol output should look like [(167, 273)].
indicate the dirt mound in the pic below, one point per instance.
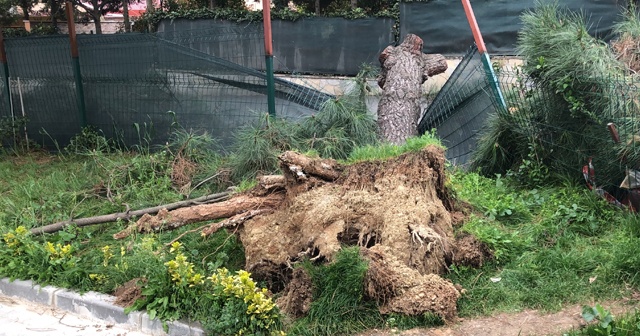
[(397, 211), (469, 251), (129, 292), (297, 295)]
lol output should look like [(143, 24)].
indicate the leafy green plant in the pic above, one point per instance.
[(89, 139), (605, 324), (225, 303)]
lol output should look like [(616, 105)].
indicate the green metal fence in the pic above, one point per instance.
[(139, 87), (562, 126)]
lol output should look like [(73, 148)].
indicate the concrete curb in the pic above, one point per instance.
[(95, 306)]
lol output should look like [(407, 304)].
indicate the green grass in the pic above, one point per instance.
[(386, 150), (548, 243)]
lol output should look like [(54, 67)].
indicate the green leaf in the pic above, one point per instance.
[(588, 313)]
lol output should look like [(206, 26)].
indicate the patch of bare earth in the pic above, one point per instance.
[(129, 292), (525, 323)]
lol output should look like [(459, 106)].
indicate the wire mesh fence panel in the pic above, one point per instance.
[(242, 45), (460, 109), (42, 87), (138, 88)]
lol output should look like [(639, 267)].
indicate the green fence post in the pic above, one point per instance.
[(76, 65), (268, 48), (5, 68)]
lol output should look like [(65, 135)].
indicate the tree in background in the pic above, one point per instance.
[(96, 9), (7, 13)]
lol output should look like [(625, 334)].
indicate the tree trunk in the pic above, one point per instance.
[(151, 8), (317, 6), (125, 16), (53, 4), (404, 69), (354, 4), (24, 4), (96, 20)]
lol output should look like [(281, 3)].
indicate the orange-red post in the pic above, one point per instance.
[(268, 49), (477, 36)]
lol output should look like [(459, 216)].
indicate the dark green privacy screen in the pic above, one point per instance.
[(326, 45), (443, 26), (138, 87)]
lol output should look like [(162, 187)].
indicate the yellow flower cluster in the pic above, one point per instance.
[(57, 252), (99, 278), (106, 255), (181, 270), (12, 239), (227, 286), (240, 285)]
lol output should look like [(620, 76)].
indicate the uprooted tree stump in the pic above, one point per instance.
[(404, 69), (397, 211)]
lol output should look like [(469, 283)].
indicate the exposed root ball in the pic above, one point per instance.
[(469, 251), (401, 289), (397, 207), (297, 295)]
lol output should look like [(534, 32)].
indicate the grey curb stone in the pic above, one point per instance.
[(27, 290), (176, 328), (96, 306)]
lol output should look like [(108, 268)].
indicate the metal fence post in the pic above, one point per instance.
[(5, 68), (488, 68), (268, 48), (76, 65)]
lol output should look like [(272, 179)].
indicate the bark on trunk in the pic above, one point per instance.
[(125, 16), (24, 4), (404, 69), (54, 11), (166, 220), (317, 7), (354, 4), (128, 214), (151, 8), (96, 20)]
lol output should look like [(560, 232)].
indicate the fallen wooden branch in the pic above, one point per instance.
[(129, 214), (299, 167), (171, 220), (234, 221)]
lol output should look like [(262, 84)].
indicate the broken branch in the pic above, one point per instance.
[(171, 220), (128, 214)]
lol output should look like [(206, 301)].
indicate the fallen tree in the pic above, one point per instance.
[(404, 69), (397, 211)]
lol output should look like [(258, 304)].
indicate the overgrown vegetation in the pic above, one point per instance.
[(342, 125), (548, 243), (559, 103)]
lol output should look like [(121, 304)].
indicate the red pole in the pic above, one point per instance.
[(72, 29), (266, 19), (474, 26), (268, 50)]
